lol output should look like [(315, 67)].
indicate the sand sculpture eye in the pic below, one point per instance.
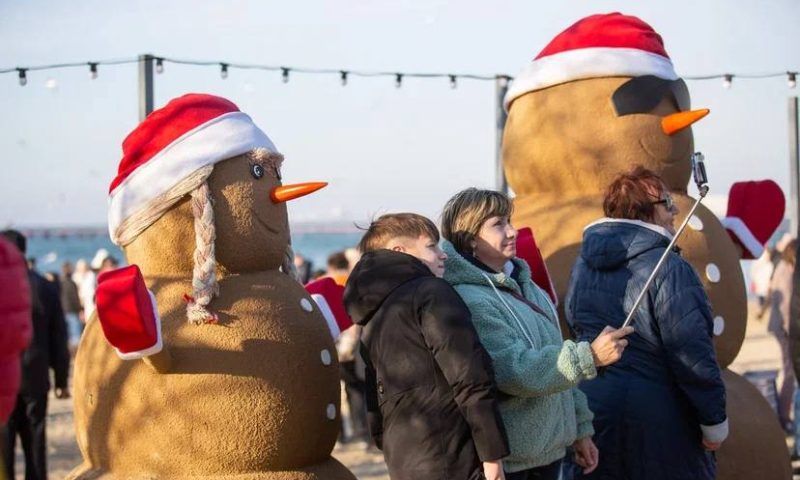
[(278, 173), (257, 171)]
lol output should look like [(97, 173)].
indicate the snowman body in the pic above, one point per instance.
[(254, 395), (563, 145)]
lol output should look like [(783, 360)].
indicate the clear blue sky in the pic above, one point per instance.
[(382, 148)]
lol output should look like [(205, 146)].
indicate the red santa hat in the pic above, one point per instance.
[(755, 210), (606, 45), (167, 149)]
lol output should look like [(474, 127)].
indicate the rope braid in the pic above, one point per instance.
[(287, 266), (204, 276)]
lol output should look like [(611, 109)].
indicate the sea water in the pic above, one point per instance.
[(50, 252)]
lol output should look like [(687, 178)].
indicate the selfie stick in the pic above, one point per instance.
[(701, 180)]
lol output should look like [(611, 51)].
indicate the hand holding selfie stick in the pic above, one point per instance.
[(701, 180)]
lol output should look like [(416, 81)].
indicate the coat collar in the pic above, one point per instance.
[(650, 226), (459, 270)]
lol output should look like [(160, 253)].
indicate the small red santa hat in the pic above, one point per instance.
[(329, 296), (605, 45), (166, 149), (755, 210)]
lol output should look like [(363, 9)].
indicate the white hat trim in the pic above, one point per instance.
[(226, 136), (327, 313), (749, 241), (588, 63)]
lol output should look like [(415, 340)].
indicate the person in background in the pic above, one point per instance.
[(353, 255), (304, 268), (760, 274), (48, 350), (15, 331), (108, 264), (317, 274), (86, 280), (780, 295), (338, 268), (351, 365), (659, 411), (71, 304)]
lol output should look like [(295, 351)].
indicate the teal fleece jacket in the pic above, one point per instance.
[(538, 371)]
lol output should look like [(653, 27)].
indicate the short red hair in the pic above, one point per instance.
[(630, 195)]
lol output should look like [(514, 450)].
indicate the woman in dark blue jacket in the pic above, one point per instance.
[(659, 411)]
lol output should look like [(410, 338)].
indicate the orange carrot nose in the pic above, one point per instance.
[(285, 193), (672, 124)]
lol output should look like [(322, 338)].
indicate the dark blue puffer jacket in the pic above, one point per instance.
[(653, 407)]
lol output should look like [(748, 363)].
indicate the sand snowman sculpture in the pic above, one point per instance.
[(602, 97), (218, 364)]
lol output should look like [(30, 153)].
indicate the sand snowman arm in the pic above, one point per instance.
[(755, 210), (129, 317)]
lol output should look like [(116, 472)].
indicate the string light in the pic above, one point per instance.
[(345, 75), (727, 81)]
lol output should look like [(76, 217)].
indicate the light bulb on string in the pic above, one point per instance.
[(727, 81), (223, 70), (792, 81), (92, 70), (23, 78), (453, 81), (285, 74), (343, 76), (398, 80), (159, 65)]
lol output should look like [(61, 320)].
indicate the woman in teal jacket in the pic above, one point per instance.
[(535, 369)]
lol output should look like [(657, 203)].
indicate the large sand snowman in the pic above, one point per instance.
[(238, 379), (602, 97)]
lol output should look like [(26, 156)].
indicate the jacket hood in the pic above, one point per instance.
[(374, 277), (459, 270), (611, 242)]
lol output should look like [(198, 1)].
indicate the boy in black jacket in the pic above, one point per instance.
[(431, 398)]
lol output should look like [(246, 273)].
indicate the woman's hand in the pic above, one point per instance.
[(494, 470), (586, 454), (607, 348)]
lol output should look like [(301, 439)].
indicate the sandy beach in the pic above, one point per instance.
[(760, 352)]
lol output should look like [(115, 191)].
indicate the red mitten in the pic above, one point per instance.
[(15, 323), (127, 311), (330, 299), (755, 210), (528, 251)]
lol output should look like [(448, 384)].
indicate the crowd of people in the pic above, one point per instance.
[(61, 304), (457, 367)]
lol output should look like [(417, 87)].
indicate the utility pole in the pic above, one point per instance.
[(501, 87), (794, 167), (145, 85)]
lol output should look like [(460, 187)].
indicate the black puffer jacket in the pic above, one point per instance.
[(430, 386)]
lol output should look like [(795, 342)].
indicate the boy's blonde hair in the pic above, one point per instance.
[(396, 225), (464, 214)]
